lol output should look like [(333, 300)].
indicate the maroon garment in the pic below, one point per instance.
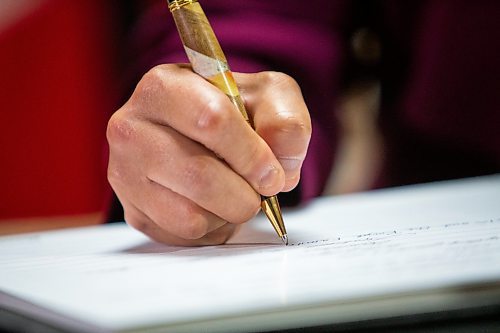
[(441, 113), (439, 72)]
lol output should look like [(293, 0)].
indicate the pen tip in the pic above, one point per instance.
[(285, 239)]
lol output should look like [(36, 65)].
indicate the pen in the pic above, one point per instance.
[(208, 60)]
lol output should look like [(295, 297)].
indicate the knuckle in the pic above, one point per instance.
[(196, 177), (296, 126), (278, 79), (194, 225), (152, 83), (120, 128), (159, 79), (213, 116), (153, 78)]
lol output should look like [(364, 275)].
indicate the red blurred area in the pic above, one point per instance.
[(56, 94)]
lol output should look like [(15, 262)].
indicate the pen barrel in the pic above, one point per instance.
[(208, 60), (204, 51)]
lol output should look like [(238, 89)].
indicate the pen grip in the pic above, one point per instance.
[(208, 60), (204, 51)]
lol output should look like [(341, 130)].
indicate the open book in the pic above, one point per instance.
[(380, 254)]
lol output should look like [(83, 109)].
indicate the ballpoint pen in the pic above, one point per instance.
[(208, 60)]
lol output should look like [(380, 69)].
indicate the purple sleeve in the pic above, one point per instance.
[(258, 35), (439, 72)]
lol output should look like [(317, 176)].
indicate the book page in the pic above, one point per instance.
[(375, 244)]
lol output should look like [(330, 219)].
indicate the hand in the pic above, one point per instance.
[(186, 166)]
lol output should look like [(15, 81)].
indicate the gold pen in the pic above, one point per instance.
[(208, 61)]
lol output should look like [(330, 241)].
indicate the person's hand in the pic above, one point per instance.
[(186, 166)]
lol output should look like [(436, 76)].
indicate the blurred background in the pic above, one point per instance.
[(64, 70), (58, 86), (61, 78)]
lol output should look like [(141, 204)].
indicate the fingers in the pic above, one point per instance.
[(146, 225), (211, 120), (170, 173), (162, 214), (280, 117), (185, 164)]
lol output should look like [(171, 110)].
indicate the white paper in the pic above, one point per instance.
[(365, 246)]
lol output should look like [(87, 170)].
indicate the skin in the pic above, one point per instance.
[(186, 166)]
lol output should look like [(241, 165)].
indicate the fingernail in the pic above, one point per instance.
[(268, 177)]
